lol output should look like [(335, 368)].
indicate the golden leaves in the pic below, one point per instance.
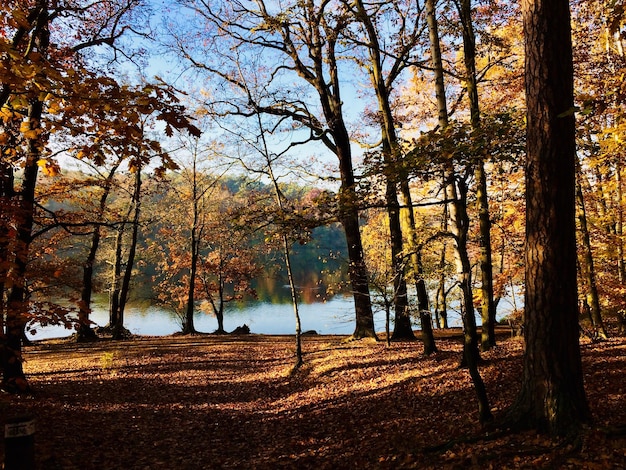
[(48, 167)]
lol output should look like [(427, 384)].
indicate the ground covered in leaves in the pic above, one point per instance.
[(232, 402)]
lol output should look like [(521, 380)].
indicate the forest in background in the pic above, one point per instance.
[(403, 123)]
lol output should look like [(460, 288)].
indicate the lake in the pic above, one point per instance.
[(335, 316)]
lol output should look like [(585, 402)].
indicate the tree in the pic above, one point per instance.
[(488, 309), (120, 289), (47, 85), (552, 397), (457, 207), (225, 263), (200, 187), (385, 62), (85, 333), (302, 41)]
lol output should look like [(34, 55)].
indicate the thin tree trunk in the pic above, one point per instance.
[(114, 296), (441, 308), (130, 262), (459, 227), (488, 309), (588, 268), (278, 194), (188, 323), (619, 229), (85, 332), (294, 303)]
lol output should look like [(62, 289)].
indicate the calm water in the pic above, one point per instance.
[(335, 316)]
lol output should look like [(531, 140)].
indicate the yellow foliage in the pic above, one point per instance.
[(48, 167)]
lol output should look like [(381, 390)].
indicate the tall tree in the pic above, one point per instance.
[(385, 68), (85, 332), (46, 85), (488, 309), (457, 204), (304, 40), (552, 397), (588, 269)]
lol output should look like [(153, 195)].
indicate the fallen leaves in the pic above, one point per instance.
[(230, 402)]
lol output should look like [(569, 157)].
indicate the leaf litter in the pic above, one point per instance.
[(195, 402)]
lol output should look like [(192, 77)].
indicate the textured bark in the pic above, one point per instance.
[(321, 45), (552, 397), (390, 150), (13, 378), (619, 226), (114, 295), (428, 337), (6, 193)]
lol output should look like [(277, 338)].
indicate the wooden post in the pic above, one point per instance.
[(19, 443)]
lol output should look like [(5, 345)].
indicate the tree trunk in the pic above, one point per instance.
[(13, 378), (488, 309), (188, 323), (114, 295), (619, 228), (588, 266), (488, 305), (118, 328), (6, 195), (552, 397), (294, 301), (349, 217), (357, 272), (459, 227), (441, 307), (428, 337), (85, 332), (403, 329), (219, 311), (323, 75), (457, 206)]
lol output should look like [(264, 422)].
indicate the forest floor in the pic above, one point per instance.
[(209, 402)]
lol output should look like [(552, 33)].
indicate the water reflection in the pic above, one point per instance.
[(333, 316)]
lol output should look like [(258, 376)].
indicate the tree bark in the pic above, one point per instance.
[(6, 195), (428, 337), (85, 332), (13, 377), (552, 397), (488, 308), (441, 307), (457, 206), (194, 244), (118, 328), (588, 265), (403, 329)]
